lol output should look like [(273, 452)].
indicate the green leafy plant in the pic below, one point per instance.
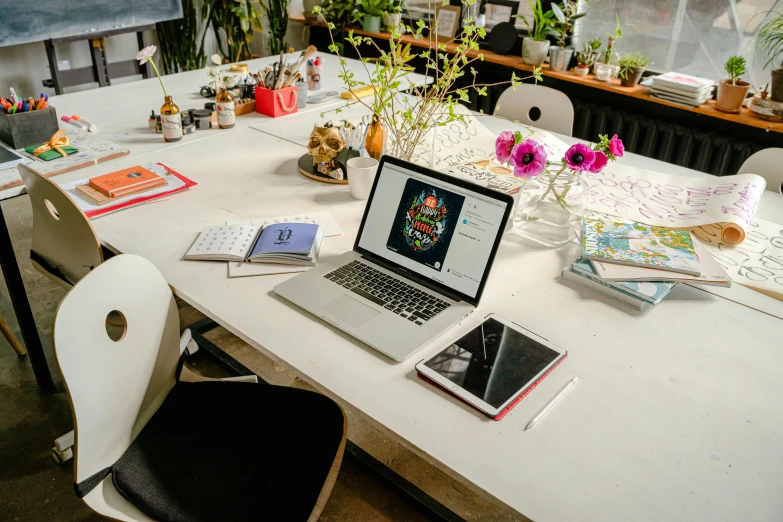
[(277, 16), (238, 19), (611, 38), (542, 21), (630, 61), (408, 117), (769, 41), (735, 67), (373, 7), (565, 21), (181, 47), (589, 53)]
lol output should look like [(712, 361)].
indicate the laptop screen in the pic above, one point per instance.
[(436, 229)]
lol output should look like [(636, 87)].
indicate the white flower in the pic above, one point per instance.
[(145, 54), (216, 59), (229, 81)]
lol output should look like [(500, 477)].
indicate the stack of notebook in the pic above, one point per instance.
[(107, 188), (640, 264), (682, 88)]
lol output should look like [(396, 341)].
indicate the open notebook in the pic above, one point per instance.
[(283, 243)]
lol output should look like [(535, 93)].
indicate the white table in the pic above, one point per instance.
[(677, 414), (120, 112)]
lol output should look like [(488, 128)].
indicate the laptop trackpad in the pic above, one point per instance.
[(347, 310)]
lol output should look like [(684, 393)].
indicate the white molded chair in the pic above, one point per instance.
[(557, 111), (65, 247), (767, 163), (150, 448)]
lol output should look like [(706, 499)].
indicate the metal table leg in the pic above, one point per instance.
[(13, 279)]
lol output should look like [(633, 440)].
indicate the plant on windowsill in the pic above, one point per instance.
[(587, 57), (563, 29), (392, 17), (408, 121), (535, 46), (632, 65), (732, 91), (769, 41), (371, 12)]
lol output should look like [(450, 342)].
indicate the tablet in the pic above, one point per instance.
[(493, 366)]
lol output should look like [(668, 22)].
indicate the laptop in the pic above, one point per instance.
[(421, 259)]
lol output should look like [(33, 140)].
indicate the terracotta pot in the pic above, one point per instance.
[(776, 88), (633, 77), (730, 97), (533, 51)]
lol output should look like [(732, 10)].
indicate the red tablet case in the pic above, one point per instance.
[(513, 403)]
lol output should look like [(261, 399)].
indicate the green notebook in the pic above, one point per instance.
[(640, 245), (52, 154)]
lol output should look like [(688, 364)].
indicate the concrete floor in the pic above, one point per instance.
[(34, 488)]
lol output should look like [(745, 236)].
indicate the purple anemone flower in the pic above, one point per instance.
[(503, 146), (528, 159), (600, 162), (579, 157)]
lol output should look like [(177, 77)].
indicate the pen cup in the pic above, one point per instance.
[(301, 94), (278, 102), (314, 77), (361, 175)]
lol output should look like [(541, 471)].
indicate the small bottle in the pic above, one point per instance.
[(225, 109), (171, 121)]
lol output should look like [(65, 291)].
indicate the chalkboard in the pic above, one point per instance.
[(39, 21)]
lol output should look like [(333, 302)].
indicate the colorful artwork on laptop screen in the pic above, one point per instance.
[(639, 244), (424, 223)]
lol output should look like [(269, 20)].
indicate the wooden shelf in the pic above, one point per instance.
[(639, 92)]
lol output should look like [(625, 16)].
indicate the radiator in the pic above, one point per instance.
[(689, 147)]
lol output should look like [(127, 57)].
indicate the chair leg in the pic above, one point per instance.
[(12, 340)]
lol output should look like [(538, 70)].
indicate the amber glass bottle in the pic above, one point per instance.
[(375, 139), (225, 109), (171, 121)]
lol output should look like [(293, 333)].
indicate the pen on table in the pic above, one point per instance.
[(90, 127), (74, 122), (560, 394)]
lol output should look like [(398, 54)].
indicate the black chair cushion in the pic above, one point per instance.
[(218, 451)]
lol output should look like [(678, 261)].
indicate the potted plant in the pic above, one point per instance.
[(371, 12), (392, 17), (732, 91), (769, 40), (587, 57), (535, 47), (632, 65), (562, 29), (609, 55)]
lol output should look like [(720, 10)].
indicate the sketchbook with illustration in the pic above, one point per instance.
[(283, 243), (638, 244)]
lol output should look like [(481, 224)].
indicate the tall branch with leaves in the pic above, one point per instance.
[(174, 56), (277, 17), (407, 118)]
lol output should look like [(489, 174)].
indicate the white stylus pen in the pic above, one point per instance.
[(563, 391)]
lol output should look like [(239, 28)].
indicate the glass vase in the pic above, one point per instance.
[(417, 147), (551, 208)]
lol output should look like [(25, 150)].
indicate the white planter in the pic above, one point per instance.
[(534, 52), (612, 71), (393, 21), (581, 71)]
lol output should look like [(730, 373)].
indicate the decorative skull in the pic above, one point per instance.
[(325, 143)]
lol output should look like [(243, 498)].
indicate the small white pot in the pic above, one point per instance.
[(581, 71), (393, 21), (534, 52)]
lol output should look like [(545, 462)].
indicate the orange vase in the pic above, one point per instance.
[(374, 142)]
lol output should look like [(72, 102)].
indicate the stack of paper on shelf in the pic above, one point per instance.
[(640, 264), (682, 88)]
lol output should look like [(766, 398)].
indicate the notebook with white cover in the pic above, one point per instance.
[(603, 288), (682, 81), (711, 272), (649, 291)]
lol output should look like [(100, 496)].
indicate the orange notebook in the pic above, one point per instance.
[(126, 181)]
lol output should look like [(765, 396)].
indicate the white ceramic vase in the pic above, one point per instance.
[(534, 52)]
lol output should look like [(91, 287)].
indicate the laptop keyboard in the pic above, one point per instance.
[(393, 294)]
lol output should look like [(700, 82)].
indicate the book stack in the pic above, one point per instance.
[(682, 89), (641, 264), (108, 188)]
